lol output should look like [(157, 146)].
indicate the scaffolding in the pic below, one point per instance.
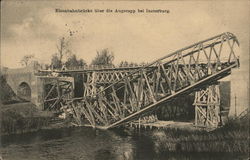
[(207, 107)]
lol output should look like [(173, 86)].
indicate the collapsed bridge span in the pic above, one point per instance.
[(139, 92)]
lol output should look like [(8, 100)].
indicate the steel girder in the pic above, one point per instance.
[(143, 90)]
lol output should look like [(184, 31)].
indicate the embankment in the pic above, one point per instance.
[(22, 117), (233, 137)]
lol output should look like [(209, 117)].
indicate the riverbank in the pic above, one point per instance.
[(233, 138), (24, 117)]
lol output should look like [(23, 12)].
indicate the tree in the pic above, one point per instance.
[(72, 62), (63, 48), (103, 57), (62, 51), (26, 59), (56, 63)]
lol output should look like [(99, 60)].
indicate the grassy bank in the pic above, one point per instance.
[(22, 117), (233, 137)]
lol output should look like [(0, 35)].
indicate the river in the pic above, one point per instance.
[(91, 144)]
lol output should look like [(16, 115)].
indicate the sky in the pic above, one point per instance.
[(33, 27)]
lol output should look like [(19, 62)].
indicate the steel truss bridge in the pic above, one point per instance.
[(116, 96)]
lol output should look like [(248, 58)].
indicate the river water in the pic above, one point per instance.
[(90, 144)]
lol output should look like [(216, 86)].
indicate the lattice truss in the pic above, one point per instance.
[(56, 93), (99, 79), (142, 91), (207, 107)]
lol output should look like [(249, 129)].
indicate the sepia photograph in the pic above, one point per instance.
[(124, 80)]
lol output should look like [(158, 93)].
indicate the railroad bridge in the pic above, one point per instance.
[(116, 96)]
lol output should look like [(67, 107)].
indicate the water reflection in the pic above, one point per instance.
[(90, 144), (83, 143)]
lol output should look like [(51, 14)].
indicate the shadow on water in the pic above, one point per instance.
[(91, 144)]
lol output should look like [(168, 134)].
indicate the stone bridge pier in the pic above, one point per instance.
[(24, 82), (27, 85)]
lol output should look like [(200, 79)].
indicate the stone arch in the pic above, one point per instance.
[(24, 91)]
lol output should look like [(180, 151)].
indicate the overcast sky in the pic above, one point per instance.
[(33, 27)]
